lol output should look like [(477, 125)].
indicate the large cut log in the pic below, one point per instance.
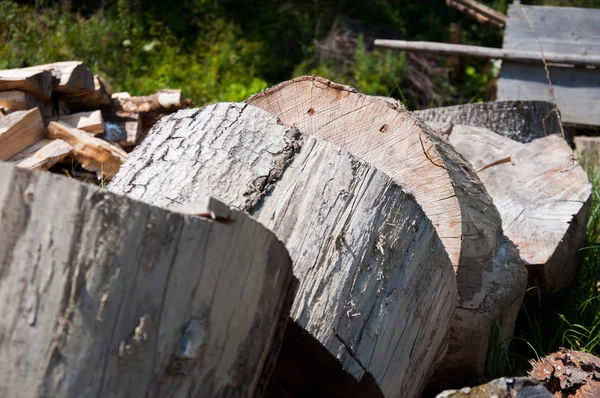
[(19, 130), (162, 101), (491, 279), (102, 295), (569, 373), (522, 121), (42, 155), (93, 153), (377, 289), (36, 82), (543, 196)]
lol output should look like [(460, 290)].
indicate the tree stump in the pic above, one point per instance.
[(490, 277), (377, 289), (102, 295)]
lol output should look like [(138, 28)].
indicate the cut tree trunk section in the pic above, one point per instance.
[(93, 153), (543, 196), (19, 130), (377, 289), (491, 278), (102, 295), (522, 121)]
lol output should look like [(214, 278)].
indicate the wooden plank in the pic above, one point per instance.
[(19, 130), (480, 12), (369, 261), (563, 30), (104, 296), (577, 91), (91, 122), (524, 57), (44, 156), (93, 153), (36, 82)]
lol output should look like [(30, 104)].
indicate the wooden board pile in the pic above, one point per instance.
[(61, 112), (409, 262)]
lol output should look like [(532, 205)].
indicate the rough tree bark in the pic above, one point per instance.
[(376, 286), (102, 295), (490, 277), (522, 121), (569, 373)]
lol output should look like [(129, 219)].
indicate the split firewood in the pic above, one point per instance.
[(119, 298), (11, 101), (373, 273), (162, 101), (36, 82), (569, 374), (87, 121), (100, 97), (19, 130), (69, 76), (93, 153), (490, 276), (124, 129), (505, 387), (542, 194), (42, 155), (588, 152), (522, 121)]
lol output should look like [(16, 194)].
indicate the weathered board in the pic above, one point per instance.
[(559, 30), (104, 296), (377, 288)]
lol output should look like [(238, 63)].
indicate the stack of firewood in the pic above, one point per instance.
[(62, 113)]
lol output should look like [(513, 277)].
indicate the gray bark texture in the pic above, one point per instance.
[(376, 286), (522, 121), (491, 279), (104, 296)]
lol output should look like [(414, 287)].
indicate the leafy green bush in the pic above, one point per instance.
[(134, 52)]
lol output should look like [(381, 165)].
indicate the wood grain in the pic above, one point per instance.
[(375, 280), (102, 295), (19, 130)]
